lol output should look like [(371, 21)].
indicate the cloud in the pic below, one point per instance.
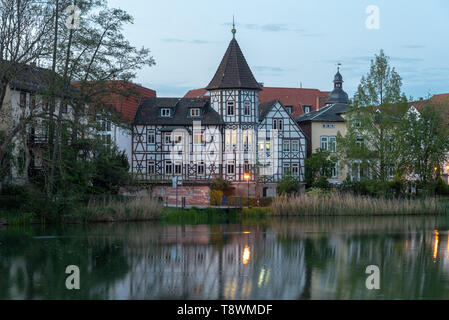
[(195, 41)]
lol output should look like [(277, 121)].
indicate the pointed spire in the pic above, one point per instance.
[(233, 71), (234, 31)]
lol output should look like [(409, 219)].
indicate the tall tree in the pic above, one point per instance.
[(424, 141), (369, 148)]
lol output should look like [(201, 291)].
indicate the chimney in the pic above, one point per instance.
[(300, 85)]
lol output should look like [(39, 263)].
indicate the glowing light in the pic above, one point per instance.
[(246, 255), (435, 247), (247, 232), (436, 169), (247, 176)]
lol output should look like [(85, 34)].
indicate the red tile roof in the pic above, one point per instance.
[(124, 97), (294, 97)]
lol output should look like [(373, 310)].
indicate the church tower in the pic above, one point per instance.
[(234, 94), (338, 95)]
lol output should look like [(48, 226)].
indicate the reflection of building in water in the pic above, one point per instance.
[(239, 265)]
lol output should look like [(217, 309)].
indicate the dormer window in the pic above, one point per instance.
[(306, 109), (165, 112), (195, 112)]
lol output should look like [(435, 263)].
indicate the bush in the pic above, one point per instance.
[(220, 184), (216, 197), (288, 185)]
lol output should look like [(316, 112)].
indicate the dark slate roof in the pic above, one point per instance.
[(233, 72), (338, 96), (149, 112), (265, 107), (32, 78), (331, 113)]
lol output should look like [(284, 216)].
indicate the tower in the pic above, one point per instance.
[(234, 95), (338, 95)]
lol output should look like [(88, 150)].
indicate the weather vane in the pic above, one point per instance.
[(233, 27), (338, 66)]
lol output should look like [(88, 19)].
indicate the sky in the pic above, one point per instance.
[(291, 43)]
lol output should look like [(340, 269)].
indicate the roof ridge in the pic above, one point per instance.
[(320, 113)]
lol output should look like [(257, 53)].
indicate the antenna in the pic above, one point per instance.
[(234, 31)]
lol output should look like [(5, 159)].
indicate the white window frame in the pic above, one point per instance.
[(165, 112), (324, 143), (295, 169), (228, 166), (168, 164), (295, 146), (230, 104), (151, 167), (195, 112), (151, 133), (286, 143), (247, 107)]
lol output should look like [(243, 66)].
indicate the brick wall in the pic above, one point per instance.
[(195, 195)]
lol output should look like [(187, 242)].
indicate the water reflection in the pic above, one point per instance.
[(307, 258)]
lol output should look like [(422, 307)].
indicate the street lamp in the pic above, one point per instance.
[(247, 177)]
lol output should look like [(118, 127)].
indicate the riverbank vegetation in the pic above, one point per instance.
[(336, 203)]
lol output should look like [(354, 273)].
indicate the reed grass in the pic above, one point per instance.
[(348, 204), (134, 209)]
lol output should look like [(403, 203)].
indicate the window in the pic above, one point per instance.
[(357, 123), (165, 112), (328, 126), (295, 169), (286, 147), (198, 137), (289, 109), (230, 108), (230, 168), (295, 146), (306, 109), (324, 145), (151, 137), (200, 168), (359, 142), (167, 138), (334, 171), (64, 110), (178, 169), (247, 108), (333, 144), (168, 168), (23, 99), (195, 112), (151, 168), (286, 168), (278, 124), (246, 166)]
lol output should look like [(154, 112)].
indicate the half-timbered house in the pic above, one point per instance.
[(227, 134)]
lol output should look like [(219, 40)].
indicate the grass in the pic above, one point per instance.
[(348, 204), (132, 209)]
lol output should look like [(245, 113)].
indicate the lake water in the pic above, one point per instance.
[(301, 258)]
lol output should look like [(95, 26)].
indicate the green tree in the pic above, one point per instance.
[(425, 141), (288, 185), (319, 168), (370, 144)]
